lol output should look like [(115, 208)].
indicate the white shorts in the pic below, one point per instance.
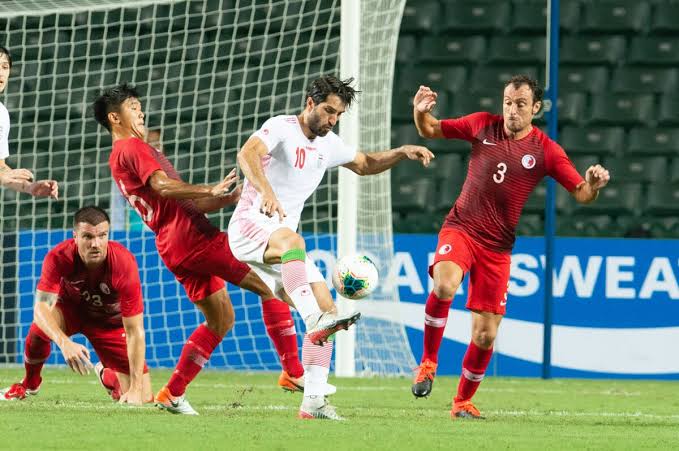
[(248, 239)]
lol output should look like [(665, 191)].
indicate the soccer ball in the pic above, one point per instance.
[(355, 276)]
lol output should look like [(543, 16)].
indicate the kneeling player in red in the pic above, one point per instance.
[(89, 285), (509, 157)]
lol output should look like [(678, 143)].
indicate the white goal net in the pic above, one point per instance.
[(210, 72)]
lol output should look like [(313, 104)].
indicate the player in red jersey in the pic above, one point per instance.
[(509, 158), (196, 252), (89, 285)]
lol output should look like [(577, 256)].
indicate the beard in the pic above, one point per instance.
[(315, 126)]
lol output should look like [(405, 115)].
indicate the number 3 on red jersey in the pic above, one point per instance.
[(499, 176), (138, 204)]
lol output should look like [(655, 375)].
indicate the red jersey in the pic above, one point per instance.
[(181, 229), (102, 296), (501, 175)]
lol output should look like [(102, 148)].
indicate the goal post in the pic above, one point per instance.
[(209, 72)]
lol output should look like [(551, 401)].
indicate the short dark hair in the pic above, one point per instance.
[(5, 51), (90, 214), (322, 87), (110, 101), (522, 79)]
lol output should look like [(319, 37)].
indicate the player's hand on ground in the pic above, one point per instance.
[(16, 176), (132, 397), (418, 153), (44, 188), (597, 176), (271, 206), (77, 357), (223, 188), (425, 99)]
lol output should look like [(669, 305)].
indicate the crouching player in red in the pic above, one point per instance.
[(89, 285)]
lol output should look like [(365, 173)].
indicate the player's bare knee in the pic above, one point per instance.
[(446, 289), (484, 338), (294, 241)]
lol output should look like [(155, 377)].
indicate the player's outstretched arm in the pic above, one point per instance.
[(210, 204), (21, 181), (596, 177), (376, 162), (250, 162), (427, 125), (170, 188), (77, 356), (136, 350)]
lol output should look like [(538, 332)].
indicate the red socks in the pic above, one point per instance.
[(281, 329), (196, 353), (110, 380), (37, 350), (473, 370), (435, 319)]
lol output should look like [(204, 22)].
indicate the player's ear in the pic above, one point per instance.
[(310, 103), (113, 118), (536, 107)]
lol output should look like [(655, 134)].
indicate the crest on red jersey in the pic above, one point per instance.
[(445, 249), (528, 161), (104, 288)]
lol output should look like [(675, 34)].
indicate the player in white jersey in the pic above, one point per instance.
[(283, 163), (20, 180)]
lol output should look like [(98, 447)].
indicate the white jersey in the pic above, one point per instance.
[(294, 167), (4, 132)]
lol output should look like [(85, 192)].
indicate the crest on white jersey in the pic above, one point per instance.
[(528, 161)]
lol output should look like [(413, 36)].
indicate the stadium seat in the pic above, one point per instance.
[(476, 16), (464, 103), (447, 167), (421, 19), (674, 171), (488, 78), (406, 50), (571, 109), (615, 16), (413, 196), (582, 162), (663, 199), (592, 140), (517, 50), (622, 109), (530, 225), (586, 226), (592, 49), (654, 51), (653, 141), (665, 18), (418, 222), (447, 194), (615, 199), (437, 77), (592, 80), (452, 49), (669, 110), (530, 16), (644, 80), (637, 169), (536, 201)]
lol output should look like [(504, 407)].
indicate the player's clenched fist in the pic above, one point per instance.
[(77, 357), (417, 153), (271, 205), (597, 176), (223, 188), (425, 99)]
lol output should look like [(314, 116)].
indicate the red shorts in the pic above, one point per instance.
[(108, 342), (488, 270), (204, 273)]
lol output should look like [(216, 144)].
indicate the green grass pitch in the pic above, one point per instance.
[(248, 411)]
